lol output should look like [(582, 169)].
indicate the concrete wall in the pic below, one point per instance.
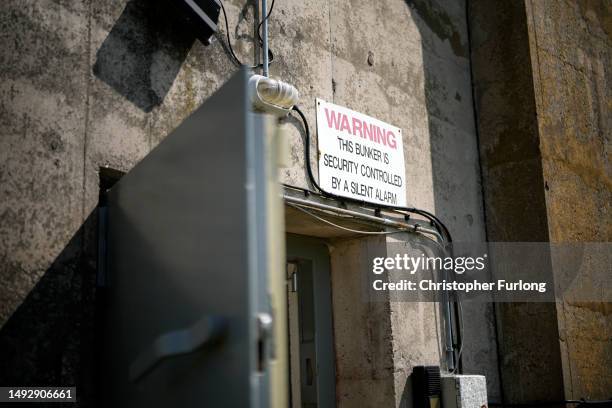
[(571, 50), (365, 365), (418, 329), (93, 84), (84, 85), (455, 166), (542, 91), (515, 207)]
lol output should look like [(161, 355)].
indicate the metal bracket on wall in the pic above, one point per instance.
[(176, 343)]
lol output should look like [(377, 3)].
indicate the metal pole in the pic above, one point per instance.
[(448, 322), (264, 27)]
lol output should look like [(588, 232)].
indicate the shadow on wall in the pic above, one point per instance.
[(144, 51), (443, 81), (52, 339), (443, 28), (49, 339)]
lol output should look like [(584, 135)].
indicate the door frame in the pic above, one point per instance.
[(315, 251)]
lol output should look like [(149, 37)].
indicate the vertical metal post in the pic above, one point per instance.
[(264, 27), (448, 322), (256, 20)]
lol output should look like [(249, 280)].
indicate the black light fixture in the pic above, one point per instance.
[(203, 16)]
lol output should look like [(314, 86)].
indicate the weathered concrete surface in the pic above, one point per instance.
[(365, 361), (420, 83), (454, 156), (542, 85), (418, 330), (571, 50), (530, 362), (44, 75), (300, 39), (43, 93), (98, 84), (60, 122)]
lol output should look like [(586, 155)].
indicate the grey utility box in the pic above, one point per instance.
[(464, 391)]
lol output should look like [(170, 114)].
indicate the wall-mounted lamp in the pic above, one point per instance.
[(272, 95)]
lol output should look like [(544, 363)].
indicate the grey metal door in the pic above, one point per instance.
[(190, 236)]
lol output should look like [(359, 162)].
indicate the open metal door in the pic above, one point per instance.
[(194, 253)]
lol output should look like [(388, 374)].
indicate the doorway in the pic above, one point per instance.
[(310, 324)]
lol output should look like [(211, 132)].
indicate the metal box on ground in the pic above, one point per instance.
[(464, 391)]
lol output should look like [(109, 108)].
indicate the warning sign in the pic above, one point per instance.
[(360, 157)]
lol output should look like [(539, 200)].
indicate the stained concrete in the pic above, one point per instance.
[(454, 156), (417, 324), (91, 84), (43, 96), (541, 80), (365, 362), (530, 363), (571, 49)]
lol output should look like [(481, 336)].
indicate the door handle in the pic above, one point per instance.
[(175, 343), (265, 348), (309, 372)]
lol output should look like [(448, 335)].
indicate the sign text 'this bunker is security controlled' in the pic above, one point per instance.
[(360, 157)]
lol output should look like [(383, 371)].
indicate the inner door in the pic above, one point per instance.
[(192, 232), (310, 331)]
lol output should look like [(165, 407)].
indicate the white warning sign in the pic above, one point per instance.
[(360, 157)]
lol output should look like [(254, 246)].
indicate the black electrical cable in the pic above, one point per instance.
[(229, 41), (438, 224), (264, 19), (270, 53)]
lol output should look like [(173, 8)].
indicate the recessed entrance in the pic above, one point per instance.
[(309, 313)]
